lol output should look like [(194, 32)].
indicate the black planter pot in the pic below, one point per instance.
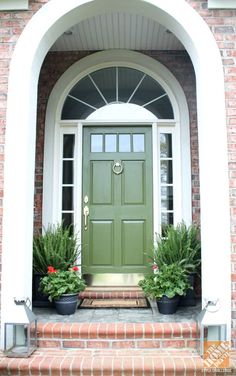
[(168, 306), (39, 299), (67, 304), (190, 298)]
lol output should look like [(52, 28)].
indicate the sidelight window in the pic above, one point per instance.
[(166, 180), (68, 156)]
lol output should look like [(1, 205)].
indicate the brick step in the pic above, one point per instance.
[(117, 335), (105, 363), (112, 293)]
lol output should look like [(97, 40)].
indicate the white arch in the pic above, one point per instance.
[(39, 34)]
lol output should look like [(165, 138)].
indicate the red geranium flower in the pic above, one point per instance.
[(51, 269), (75, 268)]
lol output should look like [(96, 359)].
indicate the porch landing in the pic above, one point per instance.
[(123, 315), (113, 342)]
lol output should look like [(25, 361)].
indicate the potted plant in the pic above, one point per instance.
[(57, 246), (166, 285), (63, 287), (180, 244)]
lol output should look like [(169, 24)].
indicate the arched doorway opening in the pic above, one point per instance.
[(37, 38), (134, 100)]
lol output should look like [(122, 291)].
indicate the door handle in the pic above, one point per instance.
[(86, 214)]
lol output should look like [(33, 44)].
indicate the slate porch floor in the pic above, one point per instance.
[(134, 315)]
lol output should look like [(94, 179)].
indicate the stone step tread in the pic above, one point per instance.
[(117, 330), (104, 362)]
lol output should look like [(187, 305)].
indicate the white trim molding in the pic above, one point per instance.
[(221, 4), (14, 4), (35, 41)]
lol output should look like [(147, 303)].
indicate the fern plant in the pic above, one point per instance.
[(57, 246), (181, 244)]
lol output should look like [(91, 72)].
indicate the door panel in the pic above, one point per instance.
[(133, 183), (117, 178), (101, 183), (101, 239), (133, 242)]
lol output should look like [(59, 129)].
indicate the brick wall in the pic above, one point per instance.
[(222, 24)]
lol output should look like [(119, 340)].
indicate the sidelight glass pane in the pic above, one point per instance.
[(96, 143), (166, 172), (67, 172), (167, 198), (166, 145), (110, 143), (67, 219), (67, 198), (167, 218), (124, 143), (68, 145), (138, 143)]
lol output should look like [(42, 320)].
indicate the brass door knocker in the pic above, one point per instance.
[(117, 168)]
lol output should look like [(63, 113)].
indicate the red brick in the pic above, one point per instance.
[(120, 332), (74, 344), (123, 344), (129, 330), (148, 344), (84, 330), (149, 331), (173, 343), (102, 333), (138, 330), (47, 343), (168, 331), (98, 344)]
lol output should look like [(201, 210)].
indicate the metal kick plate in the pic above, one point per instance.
[(110, 279)]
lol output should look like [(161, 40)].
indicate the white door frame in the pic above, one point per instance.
[(38, 36)]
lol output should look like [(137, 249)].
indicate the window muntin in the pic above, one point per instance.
[(116, 85)]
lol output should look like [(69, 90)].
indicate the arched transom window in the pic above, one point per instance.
[(116, 85)]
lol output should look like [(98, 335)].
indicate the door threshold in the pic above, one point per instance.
[(113, 279)]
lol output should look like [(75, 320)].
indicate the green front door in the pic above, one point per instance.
[(117, 192)]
